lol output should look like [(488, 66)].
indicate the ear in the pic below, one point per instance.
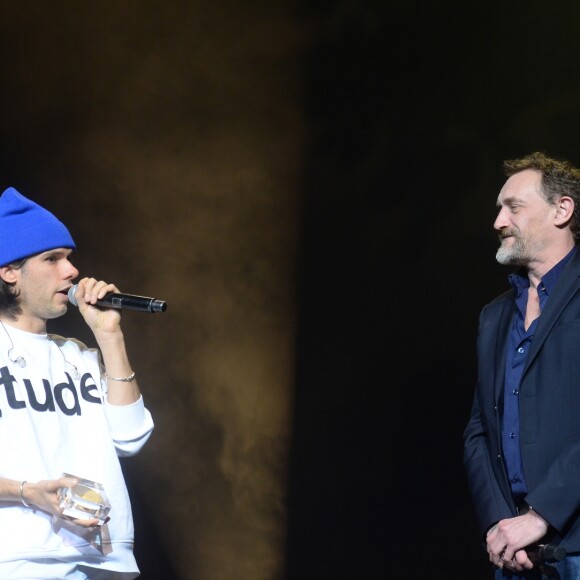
[(8, 274), (564, 210)]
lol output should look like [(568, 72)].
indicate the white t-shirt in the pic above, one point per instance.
[(50, 424)]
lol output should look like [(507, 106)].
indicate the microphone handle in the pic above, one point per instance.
[(546, 553), (131, 302)]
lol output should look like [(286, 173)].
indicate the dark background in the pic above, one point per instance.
[(408, 110), (412, 107)]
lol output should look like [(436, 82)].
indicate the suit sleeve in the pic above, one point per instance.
[(490, 504)]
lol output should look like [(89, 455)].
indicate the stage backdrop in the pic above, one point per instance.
[(311, 186), (167, 136)]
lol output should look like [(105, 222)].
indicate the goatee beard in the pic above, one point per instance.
[(513, 256)]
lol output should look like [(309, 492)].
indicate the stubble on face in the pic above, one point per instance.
[(36, 294), (523, 248)]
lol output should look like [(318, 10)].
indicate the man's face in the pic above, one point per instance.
[(525, 221), (43, 283)]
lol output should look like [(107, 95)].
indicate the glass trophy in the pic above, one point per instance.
[(84, 501)]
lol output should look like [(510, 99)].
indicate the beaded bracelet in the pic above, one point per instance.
[(128, 379), (22, 495)]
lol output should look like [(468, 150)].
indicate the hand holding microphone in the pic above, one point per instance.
[(123, 301)]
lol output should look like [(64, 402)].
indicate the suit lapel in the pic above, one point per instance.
[(503, 328), (566, 287)]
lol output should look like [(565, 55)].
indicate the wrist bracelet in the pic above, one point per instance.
[(128, 379), (22, 495)]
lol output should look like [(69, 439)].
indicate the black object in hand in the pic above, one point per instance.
[(546, 553)]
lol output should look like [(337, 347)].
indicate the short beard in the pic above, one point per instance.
[(514, 256)]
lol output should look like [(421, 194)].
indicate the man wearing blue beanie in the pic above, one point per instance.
[(67, 412)]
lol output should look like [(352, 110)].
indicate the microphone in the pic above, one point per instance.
[(546, 553), (123, 301)]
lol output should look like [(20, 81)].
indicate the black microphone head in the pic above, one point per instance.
[(548, 553), (554, 553), (71, 295)]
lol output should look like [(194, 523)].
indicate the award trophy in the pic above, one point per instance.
[(84, 501)]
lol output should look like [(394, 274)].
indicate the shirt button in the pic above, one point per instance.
[(515, 479), (521, 350), (516, 392), (512, 435)]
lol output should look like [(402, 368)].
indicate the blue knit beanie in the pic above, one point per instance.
[(27, 229)]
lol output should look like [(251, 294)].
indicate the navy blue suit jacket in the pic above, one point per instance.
[(549, 413)]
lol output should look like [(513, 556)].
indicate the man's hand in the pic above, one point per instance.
[(507, 540), (100, 320)]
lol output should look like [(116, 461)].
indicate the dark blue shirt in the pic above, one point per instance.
[(518, 346)]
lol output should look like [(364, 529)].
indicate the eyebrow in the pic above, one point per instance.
[(509, 200)]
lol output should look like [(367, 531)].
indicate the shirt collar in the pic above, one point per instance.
[(519, 280)]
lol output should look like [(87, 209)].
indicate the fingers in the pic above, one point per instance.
[(503, 561), (498, 559), (522, 560), (66, 482), (84, 523), (100, 320), (502, 557), (92, 523), (516, 563), (90, 290)]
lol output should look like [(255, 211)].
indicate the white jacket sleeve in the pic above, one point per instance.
[(130, 425)]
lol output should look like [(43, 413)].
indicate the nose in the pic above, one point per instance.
[(71, 272), (501, 221)]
